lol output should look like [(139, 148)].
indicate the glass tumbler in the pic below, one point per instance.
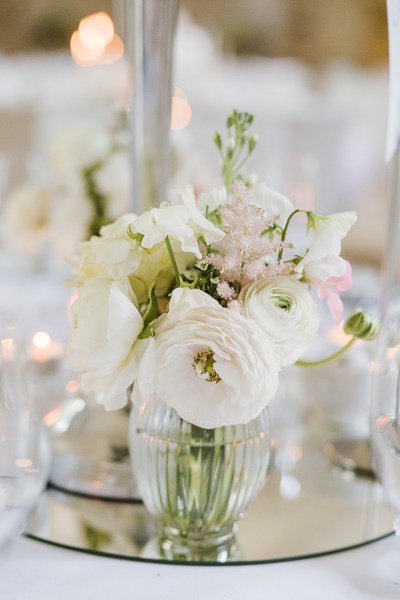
[(24, 457)]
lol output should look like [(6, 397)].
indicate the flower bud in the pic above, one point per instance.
[(362, 325)]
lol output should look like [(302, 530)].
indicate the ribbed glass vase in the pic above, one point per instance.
[(197, 482)]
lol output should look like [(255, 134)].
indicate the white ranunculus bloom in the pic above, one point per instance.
[(322, 260), (212, 200), (210, 364), (103, 341), (27, 214), (183, 223), (286, 312), (272, 202)]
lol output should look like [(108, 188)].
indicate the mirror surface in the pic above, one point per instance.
[(308, 507)]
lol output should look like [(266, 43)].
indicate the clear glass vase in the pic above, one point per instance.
[(197, 482)]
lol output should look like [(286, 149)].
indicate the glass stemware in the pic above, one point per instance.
[(24, 455)]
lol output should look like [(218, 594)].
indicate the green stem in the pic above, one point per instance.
[(284, 232), (327, 359), (173, 261)]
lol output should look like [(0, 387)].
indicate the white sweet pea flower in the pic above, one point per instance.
[(103, 341), (212, 200), (183, 223), (210, 364), (285, 310), (111, 254), (322, 260), (272, 202), (115, 255)]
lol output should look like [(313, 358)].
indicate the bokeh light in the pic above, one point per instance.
[(95, 41)]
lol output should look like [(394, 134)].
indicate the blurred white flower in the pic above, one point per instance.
[(113, 180), (213, 366), (285, 311), (70, 220), (76, 147), (27, 214)]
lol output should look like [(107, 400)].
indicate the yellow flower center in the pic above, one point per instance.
[(203, 364)]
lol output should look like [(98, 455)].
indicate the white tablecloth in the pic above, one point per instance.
[(35, 571)]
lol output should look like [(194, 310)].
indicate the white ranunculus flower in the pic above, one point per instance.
[(183, 223), (27, 214), (272, 202), (210, 364), (285, 311), (212, 200), (322, 260), (103, 341)]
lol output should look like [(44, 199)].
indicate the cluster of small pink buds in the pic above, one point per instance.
[(243, 253)]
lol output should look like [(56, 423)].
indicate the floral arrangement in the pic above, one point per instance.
[(87, 186), (202, 302)]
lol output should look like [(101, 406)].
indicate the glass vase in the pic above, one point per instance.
[(197, 482)]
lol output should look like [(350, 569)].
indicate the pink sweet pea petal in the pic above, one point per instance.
[(335, 306), (329, 290)]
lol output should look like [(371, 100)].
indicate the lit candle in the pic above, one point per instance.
[(44, 353)]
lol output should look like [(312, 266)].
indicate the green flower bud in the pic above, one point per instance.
[(217, 140), (362, 325)]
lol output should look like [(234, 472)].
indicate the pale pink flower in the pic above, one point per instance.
[(329, 290)]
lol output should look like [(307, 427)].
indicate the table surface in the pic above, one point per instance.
[(37, 571)]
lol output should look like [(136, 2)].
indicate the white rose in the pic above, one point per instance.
[(212, 200), (285, 311), (272, 202), (210, 364), (27, 214), (322, 260), (183, 223), (105, 327)]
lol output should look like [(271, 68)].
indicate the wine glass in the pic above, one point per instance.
[(24, 456)]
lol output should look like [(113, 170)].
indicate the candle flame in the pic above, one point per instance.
[(41, 339)]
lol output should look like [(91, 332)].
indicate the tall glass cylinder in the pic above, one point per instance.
[(149, 33)]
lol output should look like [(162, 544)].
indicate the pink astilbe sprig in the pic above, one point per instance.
[(242, 255)]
